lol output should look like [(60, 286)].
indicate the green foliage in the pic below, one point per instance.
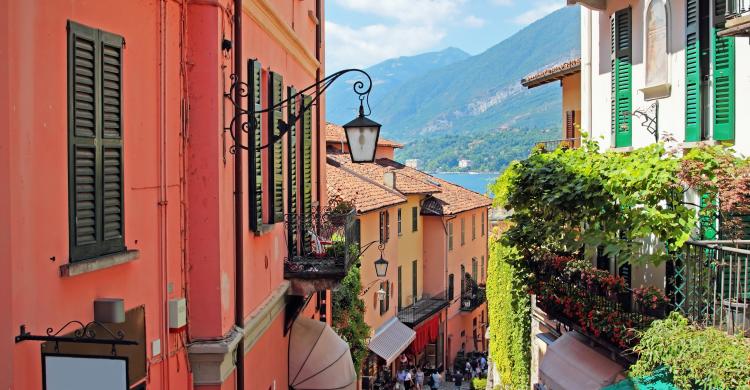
[(479, 383), (509, 315), (569, 198), (488, 150), (349, 316), (697, 358)]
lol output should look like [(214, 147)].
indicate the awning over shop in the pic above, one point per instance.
[(391, 339), (319, 358), (427, 333), (569, 364)]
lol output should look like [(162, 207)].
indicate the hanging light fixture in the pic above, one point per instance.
[(362, 137), (381, 294), (381, 264)]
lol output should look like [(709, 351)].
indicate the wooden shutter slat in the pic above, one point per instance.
[(291, 167), (306, 149), (255, 168), (275, 150), (621, 34), (693, 104), (724, 87)]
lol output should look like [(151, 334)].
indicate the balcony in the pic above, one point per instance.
[(473, 298), (737, 18), (423, 309), (595, 303), (712, 284), (321, 247), (567, 143)]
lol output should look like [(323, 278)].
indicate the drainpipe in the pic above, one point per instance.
[(162, 194), (239, 269)]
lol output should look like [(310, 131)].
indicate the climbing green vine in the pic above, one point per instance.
[(509, 315), (348, 312)]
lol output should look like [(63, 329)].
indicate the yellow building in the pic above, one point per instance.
[(430, 306)]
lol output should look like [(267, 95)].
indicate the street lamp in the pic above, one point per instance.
[(362, 137), (361, 133), (381, 294), (381, 264)]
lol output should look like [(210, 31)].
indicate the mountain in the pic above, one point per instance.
[(475, 108), (387, 76)]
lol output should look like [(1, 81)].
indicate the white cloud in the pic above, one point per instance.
[(414, 11), (538, 11), (402, 27), (473, 21), (368, 45)]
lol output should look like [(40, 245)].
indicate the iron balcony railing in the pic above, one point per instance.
[(473, 298), (320, 244), (611, 318), (711, 282), (423, 309), (737, 8), (550, 146)]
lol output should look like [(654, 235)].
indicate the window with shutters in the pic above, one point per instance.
[(399, 290), (463, 231), (384, 226), (473, 227), (291, 173), (482, 223), (570, 125), (657, 55), (414, 282), (474, 268), (255, 166), (450, 236), (621, 78), (414, 218), (722, 57), (95, 147), (398, 222), (275, 149), (306, 148), (450, 287)]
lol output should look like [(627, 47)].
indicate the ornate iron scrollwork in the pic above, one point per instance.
[(247, 116), (84, 334), (649, 118)]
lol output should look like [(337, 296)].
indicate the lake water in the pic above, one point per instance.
[(476, 182)]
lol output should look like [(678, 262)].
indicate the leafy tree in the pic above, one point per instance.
[(349, 315)]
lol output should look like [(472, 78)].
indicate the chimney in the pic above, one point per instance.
[(389, 179)]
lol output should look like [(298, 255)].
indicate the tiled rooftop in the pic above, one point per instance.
[(335, 133), (553, 73), (446, 198), (365, 194)]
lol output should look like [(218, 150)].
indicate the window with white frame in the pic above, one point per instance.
[(657, 33)]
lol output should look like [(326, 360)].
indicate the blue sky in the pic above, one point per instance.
[(360, 33)]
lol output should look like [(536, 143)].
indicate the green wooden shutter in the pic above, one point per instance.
[(255, 166), (275, 149), (306, 148), (291, 166), (722, 55), (96, 209), (693, 104), (720, 10), (111, 142), (707, 223), (621, 78)]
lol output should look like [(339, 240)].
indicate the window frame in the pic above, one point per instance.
[(463, 231), (450, 235), (661, 88), (414, 219), (400, 233)]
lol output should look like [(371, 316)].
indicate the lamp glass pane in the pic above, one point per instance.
[(362, 142)]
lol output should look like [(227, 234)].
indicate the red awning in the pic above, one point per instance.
[(427, 333)]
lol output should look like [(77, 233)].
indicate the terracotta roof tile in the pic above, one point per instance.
[(446, 198), (365, 194), (552, 73), (335, 133)]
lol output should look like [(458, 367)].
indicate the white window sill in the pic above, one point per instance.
[(98, 263), (658, 91)]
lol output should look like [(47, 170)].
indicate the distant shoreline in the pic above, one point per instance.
[(466, 172)]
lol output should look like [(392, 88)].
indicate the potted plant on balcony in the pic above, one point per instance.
[(617, 290), (651, 301), (338, 209)]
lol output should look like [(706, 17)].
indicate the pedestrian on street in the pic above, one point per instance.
[(458, 379), (436, 380), (419, 378)]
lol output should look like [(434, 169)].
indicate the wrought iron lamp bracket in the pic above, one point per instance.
[(649, 118), (247, 117), (84, 334)]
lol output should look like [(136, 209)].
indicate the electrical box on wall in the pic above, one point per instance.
[(177, 313)]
